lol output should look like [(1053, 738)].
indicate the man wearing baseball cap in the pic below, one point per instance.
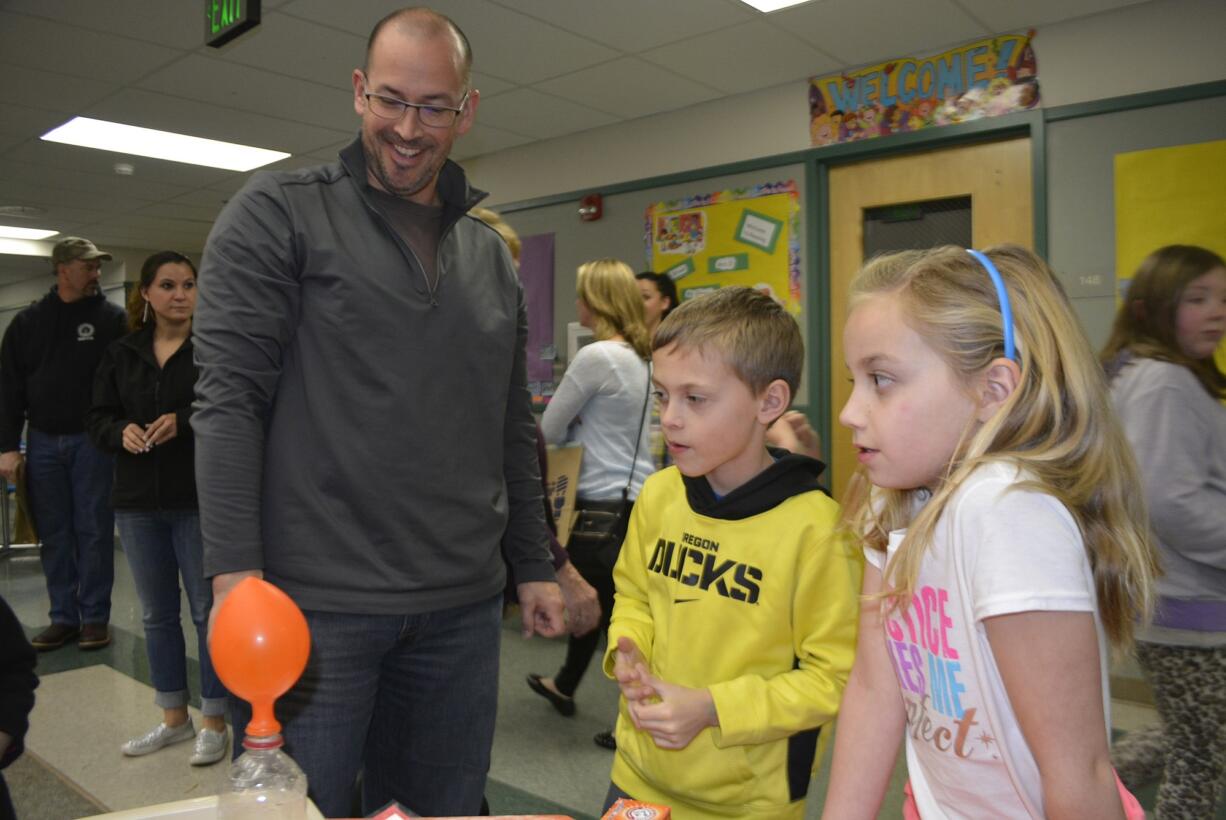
[(47, 362)]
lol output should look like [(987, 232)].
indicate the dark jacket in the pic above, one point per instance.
[(130, 388), (364, 442), (17, 683), (47, 363)]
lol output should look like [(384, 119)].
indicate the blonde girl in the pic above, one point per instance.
[(602, 404), (1005, 539)]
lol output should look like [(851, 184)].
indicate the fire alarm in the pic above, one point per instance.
[(591, 208)]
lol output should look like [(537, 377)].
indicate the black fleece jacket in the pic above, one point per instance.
[(47, 363), (130, 388)]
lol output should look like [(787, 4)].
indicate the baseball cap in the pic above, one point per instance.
[(74, 247)]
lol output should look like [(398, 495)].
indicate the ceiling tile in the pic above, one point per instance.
[(48, 196), (534, 114), (137, 185), (151, 110), (505, 43), (629, 88), (48, 90), (634, 25), (24, 121), (489, 86), (56, 159), (747, 57), (219, 82), (291, 45), (485, 139), (182, 211), (46, 45), (1008, 15), (859, 32), (174, 23)]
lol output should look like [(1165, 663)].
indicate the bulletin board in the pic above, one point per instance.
[(1169, 196), (740, 236)]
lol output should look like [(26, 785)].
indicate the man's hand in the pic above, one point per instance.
[(9, 462), (162, 429), (676, 715), (582, 604), (542, 608), (222, 584)]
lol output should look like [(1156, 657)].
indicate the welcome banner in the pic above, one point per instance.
[(981, 79)]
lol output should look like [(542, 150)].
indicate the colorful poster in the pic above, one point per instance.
[(981, 79), (745, 236), (1169, 196)]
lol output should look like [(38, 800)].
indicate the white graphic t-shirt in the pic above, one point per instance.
[(998, 549)]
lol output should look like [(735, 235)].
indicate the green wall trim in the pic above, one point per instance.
[(1038, 183), (821, 367), (1128, 102)]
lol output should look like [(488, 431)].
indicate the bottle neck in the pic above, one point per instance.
[(263, 742)]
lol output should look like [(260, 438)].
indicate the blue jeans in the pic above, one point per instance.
[(162, 546), (408, 700), (69, 481)]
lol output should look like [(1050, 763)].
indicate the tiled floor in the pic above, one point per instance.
[(89, 703)]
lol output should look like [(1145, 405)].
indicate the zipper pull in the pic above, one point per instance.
[(433, 301)]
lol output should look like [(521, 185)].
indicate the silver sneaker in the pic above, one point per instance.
[(158, 737), (210, 747)]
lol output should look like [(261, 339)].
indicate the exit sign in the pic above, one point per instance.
[(226, 19)]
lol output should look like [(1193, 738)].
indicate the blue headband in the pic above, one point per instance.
[(1002, 295)]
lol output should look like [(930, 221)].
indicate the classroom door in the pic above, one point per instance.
[(982, 191)]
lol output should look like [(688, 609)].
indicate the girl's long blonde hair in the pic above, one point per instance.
[(1058, 425), (609, 289)]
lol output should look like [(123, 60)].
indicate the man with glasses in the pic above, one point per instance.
[(47, 363), (365, 434)]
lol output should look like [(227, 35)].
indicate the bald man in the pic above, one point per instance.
[(365, 435)]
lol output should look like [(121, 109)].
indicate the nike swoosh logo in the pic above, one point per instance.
[(684, 600)]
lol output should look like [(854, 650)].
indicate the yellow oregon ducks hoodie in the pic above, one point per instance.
[(753, 597)]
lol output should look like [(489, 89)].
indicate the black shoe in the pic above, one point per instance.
[(564, 705), (605, 740), (54, 636)]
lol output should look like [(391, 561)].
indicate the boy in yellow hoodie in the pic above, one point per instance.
[(734, 627)]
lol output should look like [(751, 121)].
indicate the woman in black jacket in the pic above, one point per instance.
[(143, 393)]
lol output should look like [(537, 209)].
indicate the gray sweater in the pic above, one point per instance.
[(1178, 432), (362, 441)]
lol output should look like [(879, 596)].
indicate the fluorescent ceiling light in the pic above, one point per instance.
[(10, 232), (147, 142), (25, 247), (772, 5)]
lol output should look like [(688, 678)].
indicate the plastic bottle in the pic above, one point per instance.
[(265, 784)]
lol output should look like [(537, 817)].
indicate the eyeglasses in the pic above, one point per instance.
[(434, 116)]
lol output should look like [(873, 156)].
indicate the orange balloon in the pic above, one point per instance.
[(259, 646)]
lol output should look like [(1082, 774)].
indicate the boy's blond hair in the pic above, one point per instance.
[(757, 338)]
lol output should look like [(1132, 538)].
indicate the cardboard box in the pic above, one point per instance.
[(624, 809), (562, 486)]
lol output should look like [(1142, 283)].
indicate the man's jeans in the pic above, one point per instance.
[(69, 481), (408, 700), (161, 546)]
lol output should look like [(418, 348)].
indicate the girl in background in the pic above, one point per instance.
[(659, 294), (601, 403), (1168, 392), (1005, 538), (143, 393)]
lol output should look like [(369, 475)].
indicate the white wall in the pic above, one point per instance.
[(1139, 48)]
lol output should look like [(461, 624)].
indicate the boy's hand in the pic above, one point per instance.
[(678, 715), (629, 668)]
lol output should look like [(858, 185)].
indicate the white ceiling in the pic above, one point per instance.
[(545, 68)]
